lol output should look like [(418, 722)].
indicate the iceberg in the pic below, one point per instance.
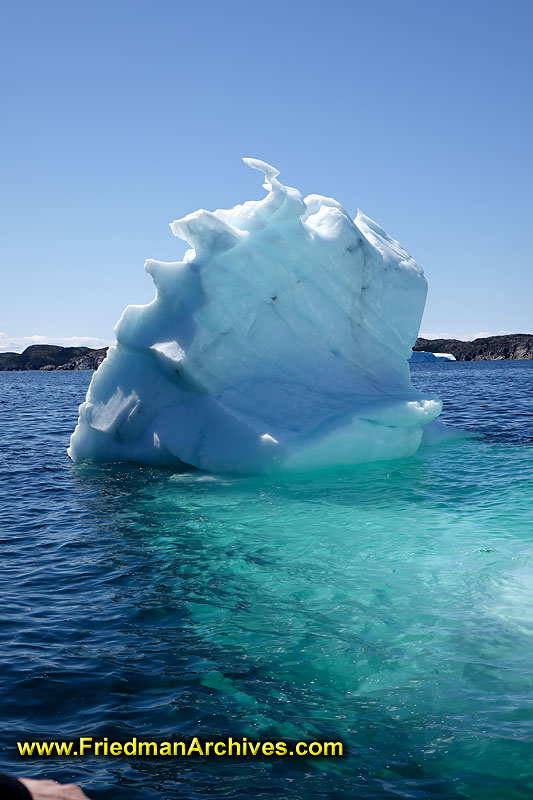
[(422, 355), (279, 343)]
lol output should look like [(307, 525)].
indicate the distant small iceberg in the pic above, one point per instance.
[(419, 355)]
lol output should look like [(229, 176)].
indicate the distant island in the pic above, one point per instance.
[(54, 357), (492, 348)]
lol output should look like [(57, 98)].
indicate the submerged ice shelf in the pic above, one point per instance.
[(280, 342)]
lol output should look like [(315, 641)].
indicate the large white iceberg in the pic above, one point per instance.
[(280, 342)]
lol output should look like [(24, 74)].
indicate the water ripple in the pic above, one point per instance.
[(387, 605)]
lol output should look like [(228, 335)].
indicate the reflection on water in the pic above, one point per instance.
[(387, 605)]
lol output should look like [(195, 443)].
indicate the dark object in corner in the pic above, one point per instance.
[(12, 789)]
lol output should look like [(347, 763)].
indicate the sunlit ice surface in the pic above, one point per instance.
[(279, 343)]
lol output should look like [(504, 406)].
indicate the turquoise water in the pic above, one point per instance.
[(390, 606)]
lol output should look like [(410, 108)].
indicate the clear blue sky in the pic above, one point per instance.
[(120, 116)]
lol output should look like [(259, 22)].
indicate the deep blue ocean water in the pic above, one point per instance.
[(387, 605)]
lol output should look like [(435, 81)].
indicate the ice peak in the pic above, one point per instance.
[(269, 171)]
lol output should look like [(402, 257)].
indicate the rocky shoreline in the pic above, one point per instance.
[(492, 348), (53, 357)]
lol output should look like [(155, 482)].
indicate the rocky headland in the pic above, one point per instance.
[(491, 348), (54, 357)]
